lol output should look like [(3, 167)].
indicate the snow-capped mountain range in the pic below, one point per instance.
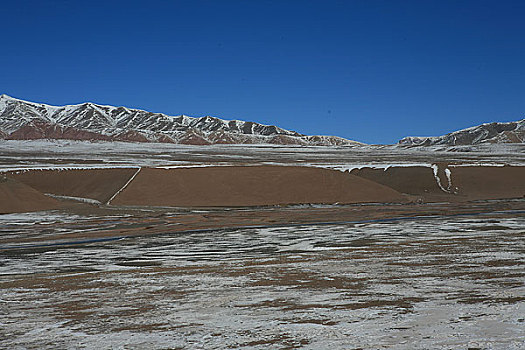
[(88, 121), (22, 120), (511, 132)]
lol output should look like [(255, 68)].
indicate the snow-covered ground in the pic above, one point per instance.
[(441, 282), (22, 155), (448, 283)]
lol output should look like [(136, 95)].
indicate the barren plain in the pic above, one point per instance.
[(125, 245)]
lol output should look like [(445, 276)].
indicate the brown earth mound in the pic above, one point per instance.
[(16, 197), (250, 186), (417, 180), (486, 182), (99, 184), (467, 182)]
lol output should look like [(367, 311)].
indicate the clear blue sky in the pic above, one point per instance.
[(372, 71)]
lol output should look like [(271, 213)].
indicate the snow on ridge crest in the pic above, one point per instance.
[(495, 132), (85, 121), (95, 115)]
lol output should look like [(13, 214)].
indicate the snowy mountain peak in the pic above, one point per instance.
[(510, 132), (6, 97)]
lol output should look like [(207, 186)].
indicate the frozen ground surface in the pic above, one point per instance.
[(37, 154), (452, 283)]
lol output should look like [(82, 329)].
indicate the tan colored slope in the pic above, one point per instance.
[(468, 182), (99, 184), (416, 180), (250, 186), (16, 197), (485, 182)]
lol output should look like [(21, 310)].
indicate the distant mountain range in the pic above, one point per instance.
[(512, 132), (22, 120)]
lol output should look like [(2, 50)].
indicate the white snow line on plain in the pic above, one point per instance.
[(349, 166), (191, 166), (483, 164), (78, 199), (64, 168), (125, 185)]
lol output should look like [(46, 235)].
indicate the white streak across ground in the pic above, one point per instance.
[(78, 199), (123, 187)]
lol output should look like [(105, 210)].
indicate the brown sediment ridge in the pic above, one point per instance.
[(416, 180), (262, 185), (16, 197), (98, 184), (234, 186), (484, 182), (466, 182)]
